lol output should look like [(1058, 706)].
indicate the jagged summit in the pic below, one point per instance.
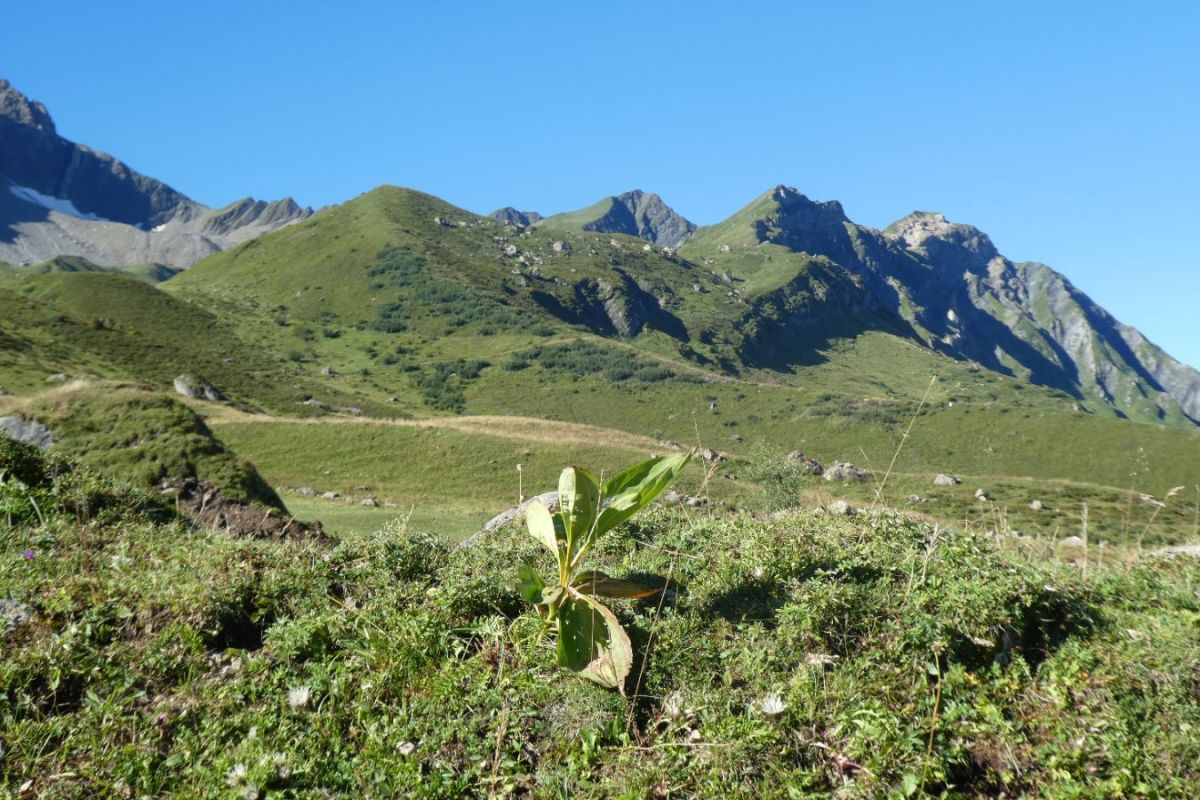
[(930, 234), (59, 198), (634, 213)]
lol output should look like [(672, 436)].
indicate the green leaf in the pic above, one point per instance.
[(530, 584), (541, 526), (592, 642), (601, 585), (635, 488), (578, 499)]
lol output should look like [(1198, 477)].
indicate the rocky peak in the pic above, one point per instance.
[(930, 235), (20, 109), (644, 215), (796, 212)]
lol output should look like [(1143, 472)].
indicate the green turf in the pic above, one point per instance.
[(795, 656)]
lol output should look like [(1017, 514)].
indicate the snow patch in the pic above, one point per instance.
[(158, 228), (51, 203)]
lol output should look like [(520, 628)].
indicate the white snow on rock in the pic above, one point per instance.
[(51, 203)]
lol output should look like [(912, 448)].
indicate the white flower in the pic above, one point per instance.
[(236, 775), (672, 707), (772, 705), (250, 792), (298, 697)]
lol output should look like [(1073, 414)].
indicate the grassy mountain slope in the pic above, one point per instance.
[(108, 325)]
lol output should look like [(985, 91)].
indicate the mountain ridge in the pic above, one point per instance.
[(961, 296), (60, 198)]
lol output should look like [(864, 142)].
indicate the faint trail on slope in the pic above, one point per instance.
[(525, 429)]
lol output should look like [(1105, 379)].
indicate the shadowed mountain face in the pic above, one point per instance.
[(58, 198), (959, 295)]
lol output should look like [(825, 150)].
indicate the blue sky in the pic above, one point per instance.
[(1069, 131)]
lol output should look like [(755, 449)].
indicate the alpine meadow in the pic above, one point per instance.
[(390, 498)]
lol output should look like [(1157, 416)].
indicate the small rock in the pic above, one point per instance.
[(306, 491), (197, 388), (1071, 541), (806, 464), (559, 247), (695, 502), (914, 499), (708, 454), (3, 392), (330, 496), (671, 498), (26, 430), (511, 250), (329, 372), (840, 508), (1036, 505), (724, 248), (369, 502), (14, 614), (942, 479), (57, 377), (982, 496), (735, 437)]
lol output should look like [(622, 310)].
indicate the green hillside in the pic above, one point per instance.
[(397, 305), (140, 438)]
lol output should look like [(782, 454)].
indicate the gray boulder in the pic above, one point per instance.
[(197, 388), (514, 514), (942, 479), (844, 471), (26, 430), (1036, 505)]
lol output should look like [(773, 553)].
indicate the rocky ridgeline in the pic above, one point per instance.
[(66, 199)]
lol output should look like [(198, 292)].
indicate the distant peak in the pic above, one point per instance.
[(512, 216)]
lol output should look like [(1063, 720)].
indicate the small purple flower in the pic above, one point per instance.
[(28, 555)]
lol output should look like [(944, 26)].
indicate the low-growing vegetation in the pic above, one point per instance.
[(793, 656)]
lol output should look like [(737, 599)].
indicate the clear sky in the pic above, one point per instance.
[(1069, 131)]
